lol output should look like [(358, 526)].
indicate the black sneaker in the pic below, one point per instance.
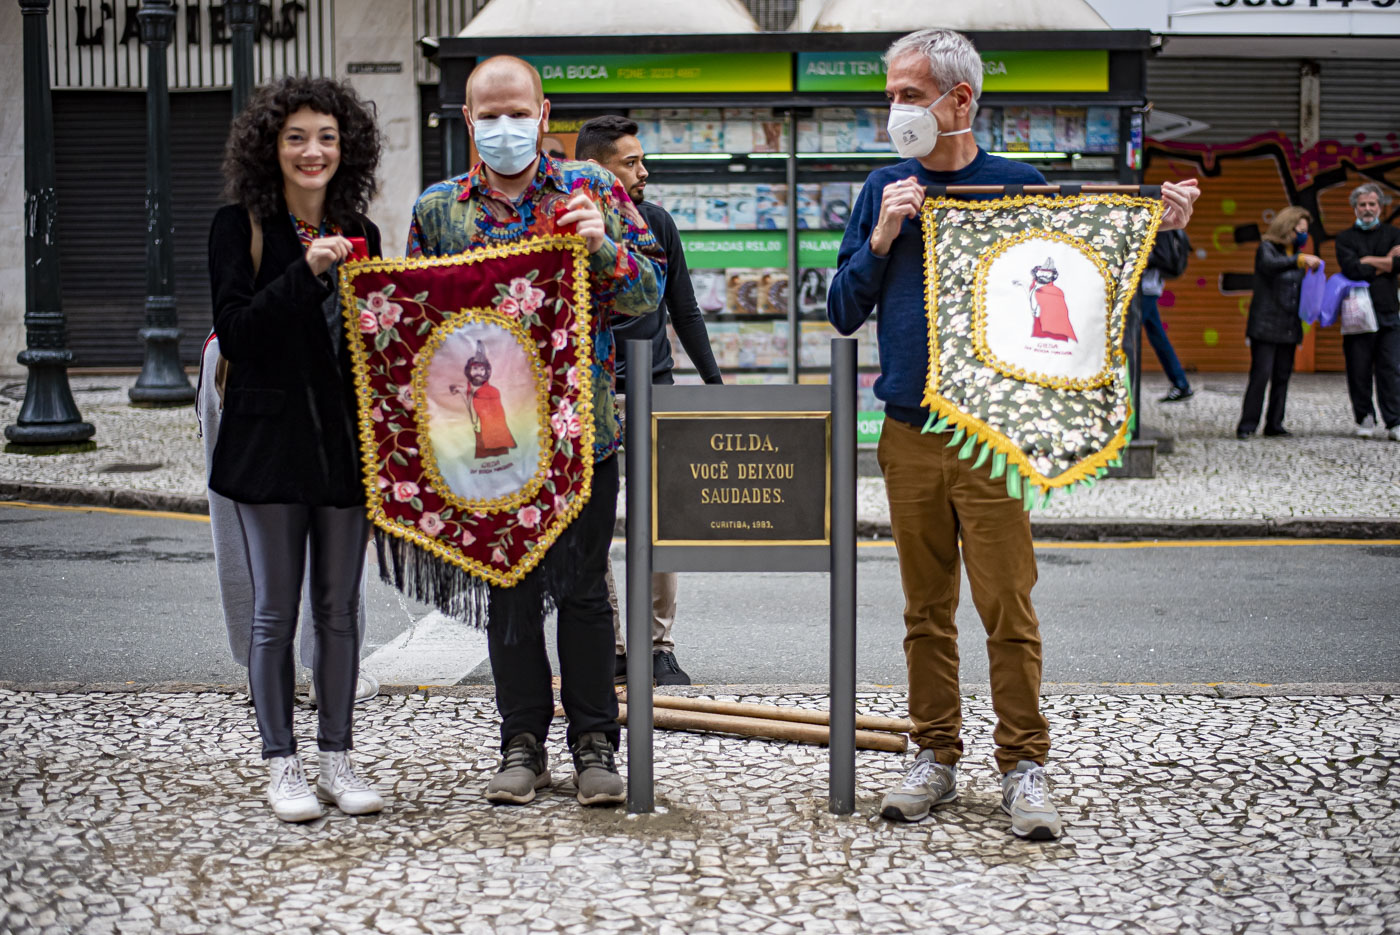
[(1278, 433), (620, 670), (596, 772), (665, 670), (1176, 394)]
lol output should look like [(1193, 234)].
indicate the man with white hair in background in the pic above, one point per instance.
[(933, 80), (1369, 252)]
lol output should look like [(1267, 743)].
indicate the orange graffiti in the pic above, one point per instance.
[(1243, 185)]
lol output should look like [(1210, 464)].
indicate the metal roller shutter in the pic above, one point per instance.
[(1239, 98), (1359, 103), (100, 170)]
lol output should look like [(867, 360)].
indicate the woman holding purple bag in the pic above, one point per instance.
[(1274, 328)]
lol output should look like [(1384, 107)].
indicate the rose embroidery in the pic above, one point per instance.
[(369, 322), (430, 523), (565, 421), (405, 490), (529, 516)]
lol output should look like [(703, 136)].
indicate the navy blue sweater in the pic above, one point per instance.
[(895, 282)]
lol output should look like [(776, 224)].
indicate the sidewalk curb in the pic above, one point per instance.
[(116, 497), (1220, 690), (1064, 529)]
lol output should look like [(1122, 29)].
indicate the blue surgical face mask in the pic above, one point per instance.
[(507, 144), (1367, 223), (1300, 238)]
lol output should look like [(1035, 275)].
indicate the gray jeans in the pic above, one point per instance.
[(280, 537)]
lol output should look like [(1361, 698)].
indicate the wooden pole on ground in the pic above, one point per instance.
[(777, 713), (673, 719)]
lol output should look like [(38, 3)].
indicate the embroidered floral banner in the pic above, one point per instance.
[(1027, 298), (475, 406)]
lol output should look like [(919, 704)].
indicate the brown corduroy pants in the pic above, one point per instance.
[(935, 499)]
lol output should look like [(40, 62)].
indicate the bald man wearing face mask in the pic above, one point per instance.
[(512, 195)]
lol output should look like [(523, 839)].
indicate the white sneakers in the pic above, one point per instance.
[(339, 784), (292, 799), (288, 792), (1369, 429)]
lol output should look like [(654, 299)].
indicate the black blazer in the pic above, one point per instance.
[(1273, 310), (288, 432)]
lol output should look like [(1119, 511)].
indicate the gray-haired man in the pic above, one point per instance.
[(1369, 251), (943, 513)]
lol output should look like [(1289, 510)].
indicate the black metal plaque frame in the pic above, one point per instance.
[(837, 557)]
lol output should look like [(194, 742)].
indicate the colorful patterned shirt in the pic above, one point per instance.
[(628, 272)]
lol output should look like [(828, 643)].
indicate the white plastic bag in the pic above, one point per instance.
[(1358, 314)]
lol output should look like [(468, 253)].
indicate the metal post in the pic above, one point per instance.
[(242, 19), (794, 273), (842, 702), (49, 417), (640, 791), (163, 381)]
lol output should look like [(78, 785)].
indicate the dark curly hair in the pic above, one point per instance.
[(252, 173)]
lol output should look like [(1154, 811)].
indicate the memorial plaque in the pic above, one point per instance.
[(740, 478)]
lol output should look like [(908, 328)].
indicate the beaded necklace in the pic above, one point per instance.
[(307, 232)]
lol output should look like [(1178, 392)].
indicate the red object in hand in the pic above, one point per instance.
[(561, 209), (359, 248)]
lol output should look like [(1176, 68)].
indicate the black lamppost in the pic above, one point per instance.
[(242, 18), (162, 381), (49, 417)]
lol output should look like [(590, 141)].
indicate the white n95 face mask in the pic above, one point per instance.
[(914, 129), (507, 144)]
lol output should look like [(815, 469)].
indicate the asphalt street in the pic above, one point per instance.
[(94, 596)]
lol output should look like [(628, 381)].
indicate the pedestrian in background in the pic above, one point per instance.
[(612, 142), (1171, 251), (1273, 327), (1369, 251), (300, 168)]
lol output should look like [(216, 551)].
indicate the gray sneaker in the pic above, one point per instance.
[(1366, 428), (1025, 796), (524, 769), (929, 784), (598, 780)]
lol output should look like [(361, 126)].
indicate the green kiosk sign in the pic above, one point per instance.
[(758, 249), (1031, 71), (670, 74)]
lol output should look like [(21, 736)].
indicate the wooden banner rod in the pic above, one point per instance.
[(1088, 188)]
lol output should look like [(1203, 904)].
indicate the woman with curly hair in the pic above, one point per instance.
[(300, 169)]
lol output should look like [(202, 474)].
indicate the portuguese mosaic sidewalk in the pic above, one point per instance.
[(1323, 481), (143, 812)]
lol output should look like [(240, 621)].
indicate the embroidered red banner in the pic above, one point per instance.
[(475, 407)]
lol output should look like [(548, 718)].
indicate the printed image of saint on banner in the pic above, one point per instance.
[(475, 413), (1027, 298)]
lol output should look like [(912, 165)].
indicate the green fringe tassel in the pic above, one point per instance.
[(932, 427), (1045, 497), (1013, 484), (998, 464), (957, 437), (983, 455), (1028, 500), (968, 447)]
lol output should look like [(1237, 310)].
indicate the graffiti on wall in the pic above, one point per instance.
[(1244, 185)]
